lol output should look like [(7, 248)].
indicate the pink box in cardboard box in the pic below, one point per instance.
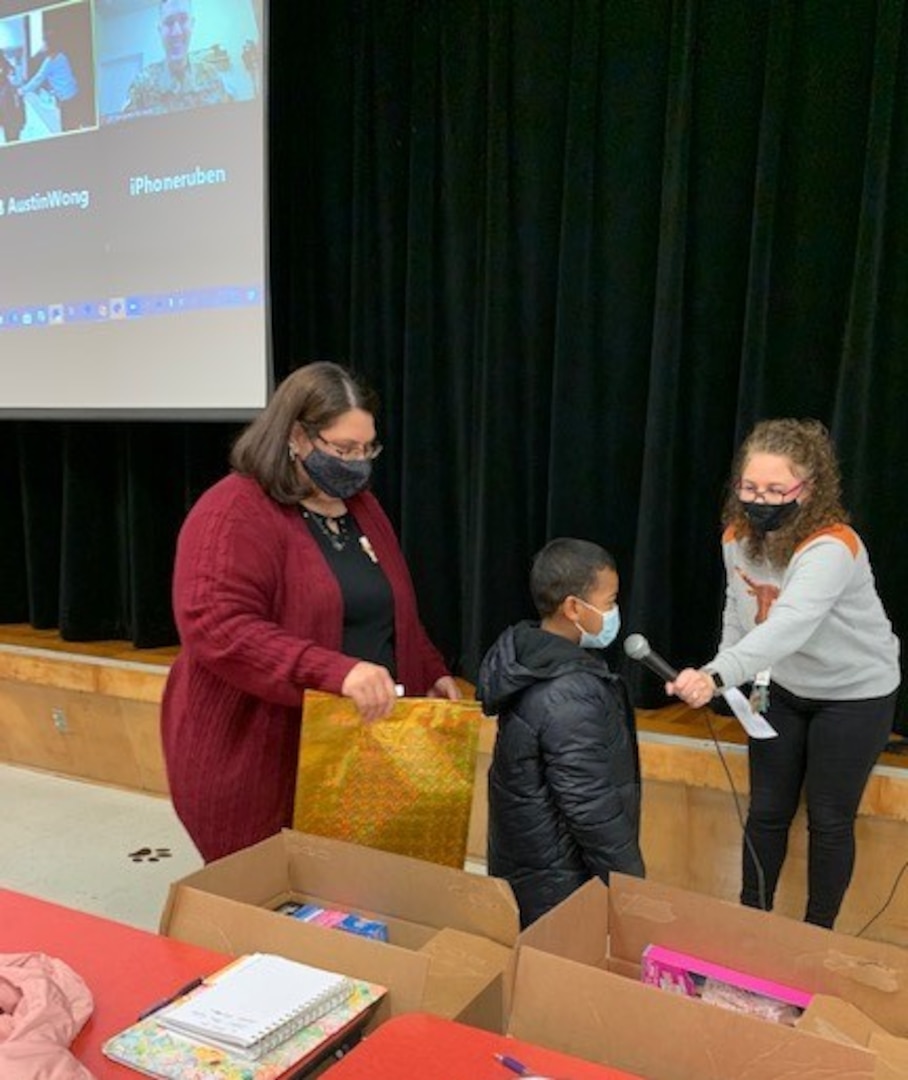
[(717, 984)]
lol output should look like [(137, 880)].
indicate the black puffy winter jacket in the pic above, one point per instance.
[(564, 784)]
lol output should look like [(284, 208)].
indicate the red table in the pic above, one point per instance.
[(418, 1045), (126, 969)]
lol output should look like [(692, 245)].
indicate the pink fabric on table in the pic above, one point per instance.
[(43, 1007)]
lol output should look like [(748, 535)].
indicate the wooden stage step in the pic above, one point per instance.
[(21, 635), (117, 668)]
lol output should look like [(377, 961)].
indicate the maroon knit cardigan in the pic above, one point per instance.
[(260, 617)]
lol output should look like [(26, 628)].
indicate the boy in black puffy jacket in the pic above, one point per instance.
[(564, 784)]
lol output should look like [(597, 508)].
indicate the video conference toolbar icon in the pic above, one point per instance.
[(130, 307)]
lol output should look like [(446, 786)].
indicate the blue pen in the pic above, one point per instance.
[(513, 1064)]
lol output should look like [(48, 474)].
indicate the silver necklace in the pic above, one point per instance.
[(335, 529)]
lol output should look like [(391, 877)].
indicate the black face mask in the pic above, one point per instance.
[(766, 519), (337, 477)]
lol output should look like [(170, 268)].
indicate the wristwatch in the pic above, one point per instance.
[(717, 680)]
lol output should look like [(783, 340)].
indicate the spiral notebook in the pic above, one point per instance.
[(256, 1004), (149, 1048)]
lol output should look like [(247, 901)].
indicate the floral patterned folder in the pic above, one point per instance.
[(155, 1051)]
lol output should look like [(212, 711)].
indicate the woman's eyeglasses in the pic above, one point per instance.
[(774, 495), (349, 451)]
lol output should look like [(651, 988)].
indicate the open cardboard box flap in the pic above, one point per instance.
[(838, 1020), (842, 1022), (891, 1056), (228, 905)]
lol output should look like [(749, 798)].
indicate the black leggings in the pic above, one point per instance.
[(828, 748)]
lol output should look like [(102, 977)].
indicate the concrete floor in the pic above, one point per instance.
[(90, 847), (94, 848)]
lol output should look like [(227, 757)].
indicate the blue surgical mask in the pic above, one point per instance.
[(611, 624)]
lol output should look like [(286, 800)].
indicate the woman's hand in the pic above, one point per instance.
[(445, 687), (372, 690), (694, 686)]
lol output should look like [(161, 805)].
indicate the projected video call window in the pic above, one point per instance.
[(153, 57), (180, 54), (132, 200), (47, 83)]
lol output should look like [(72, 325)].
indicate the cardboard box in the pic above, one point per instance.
[(577, 987), (451, 934), (842, 1022)]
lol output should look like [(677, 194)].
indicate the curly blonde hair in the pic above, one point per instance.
[(809, 448)]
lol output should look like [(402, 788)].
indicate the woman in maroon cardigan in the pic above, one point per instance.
[(288, 577)]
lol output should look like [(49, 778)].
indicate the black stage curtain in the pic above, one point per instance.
[(578, 247)]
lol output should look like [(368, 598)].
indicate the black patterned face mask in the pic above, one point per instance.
[(337, 477), (765, 518)]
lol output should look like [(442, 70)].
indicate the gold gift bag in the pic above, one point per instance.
[(403, 784)]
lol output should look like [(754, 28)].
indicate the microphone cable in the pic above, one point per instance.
[(638, 648), (888, 901), (894, 746), (748, 843)]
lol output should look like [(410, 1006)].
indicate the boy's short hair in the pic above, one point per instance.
[(566, 567)]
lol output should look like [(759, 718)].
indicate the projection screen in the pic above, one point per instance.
[(132, 209)]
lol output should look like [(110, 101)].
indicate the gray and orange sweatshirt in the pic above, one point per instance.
[(818, 622)]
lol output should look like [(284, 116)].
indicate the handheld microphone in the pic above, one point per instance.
[(637, 648)]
